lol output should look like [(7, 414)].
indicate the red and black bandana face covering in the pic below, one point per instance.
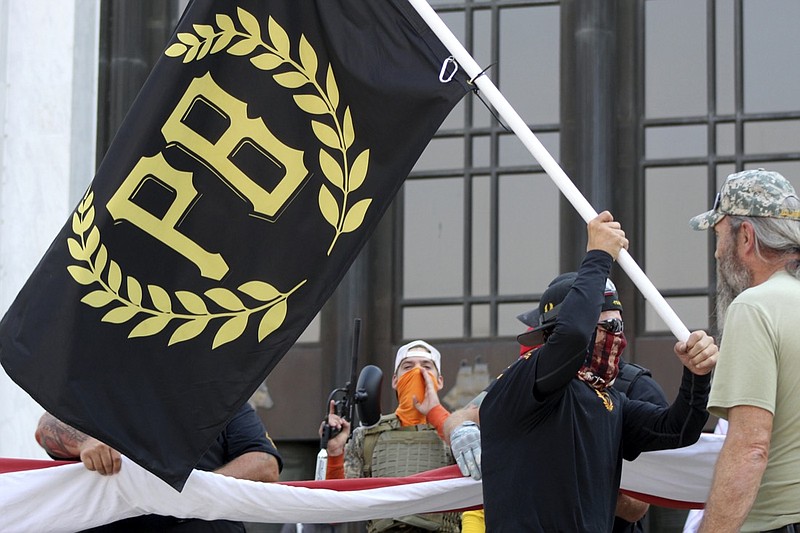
[(602, 365)]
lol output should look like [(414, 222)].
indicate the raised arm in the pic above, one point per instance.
[(565, 349), (334, 468)]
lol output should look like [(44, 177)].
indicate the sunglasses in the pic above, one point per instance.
[(612, 325), (717, 200)]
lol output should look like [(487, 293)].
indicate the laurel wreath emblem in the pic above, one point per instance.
[(152, 318), (338, 136)]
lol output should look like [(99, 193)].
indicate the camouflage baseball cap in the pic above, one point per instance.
[(751, 193)]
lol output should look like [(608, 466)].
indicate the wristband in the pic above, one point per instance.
[(436, 418), (335, 467)]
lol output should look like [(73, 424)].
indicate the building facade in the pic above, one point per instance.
[(646, 104)]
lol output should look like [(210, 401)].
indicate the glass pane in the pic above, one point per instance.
[(481, 116), (693, 312), (528, 233), (676, 141), (455, 21), (433, 247), (481, 320), (675, 58), (723, 171), (726, 139), (482, 52), (455, 120), (481, 154), (772, 137), (725, 57), (481, 235), (507, 316), (771, 49), (513, 152), (675, 255), (311, 333), (442, 154), (529, 61), (437, 322)]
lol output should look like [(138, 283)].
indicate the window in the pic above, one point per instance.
[(479, 218), (715, 104)]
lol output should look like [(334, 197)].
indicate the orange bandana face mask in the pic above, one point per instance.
[(410, 385)]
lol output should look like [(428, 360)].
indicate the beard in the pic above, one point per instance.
[(733, 278)]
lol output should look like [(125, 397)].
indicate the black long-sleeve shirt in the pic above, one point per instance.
[(552, 445)]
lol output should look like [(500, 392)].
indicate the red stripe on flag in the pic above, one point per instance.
[(8, 465), (438, 474), (663, 502), (18, 465)]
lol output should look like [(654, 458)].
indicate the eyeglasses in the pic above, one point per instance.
[(716, 202), (612, 325)]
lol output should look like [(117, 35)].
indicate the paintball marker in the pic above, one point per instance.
[(364, 394)]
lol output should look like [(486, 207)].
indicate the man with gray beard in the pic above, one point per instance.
[(756, 387)]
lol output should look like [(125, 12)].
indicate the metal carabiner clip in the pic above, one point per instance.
[(444, 75)]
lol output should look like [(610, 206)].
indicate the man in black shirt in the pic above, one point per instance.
[(635, 381), (553, 429), (243, 450)]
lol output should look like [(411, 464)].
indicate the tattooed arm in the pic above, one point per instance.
[(468, 413), (65, 442)]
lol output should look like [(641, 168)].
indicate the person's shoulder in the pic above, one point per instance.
[(516, 366), (385, 423), (645, 388), (245, 416), (245, 410), (629, 372), (779, 292), (781, 284)]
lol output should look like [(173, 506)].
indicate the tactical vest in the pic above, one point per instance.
[(391, 450)]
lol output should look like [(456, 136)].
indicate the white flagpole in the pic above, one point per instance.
[(562, 181)]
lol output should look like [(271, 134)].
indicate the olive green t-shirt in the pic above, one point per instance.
[(759, 365)]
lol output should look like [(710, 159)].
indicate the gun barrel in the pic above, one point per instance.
[(346, 405), (351, 399)]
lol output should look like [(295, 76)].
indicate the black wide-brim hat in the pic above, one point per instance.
[(543, 317), (540, 319)]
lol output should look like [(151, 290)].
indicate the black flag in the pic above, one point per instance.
[(256, 161)]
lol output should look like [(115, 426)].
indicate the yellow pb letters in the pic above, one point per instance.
[(217, 155), (242, 130), (164, 229)]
